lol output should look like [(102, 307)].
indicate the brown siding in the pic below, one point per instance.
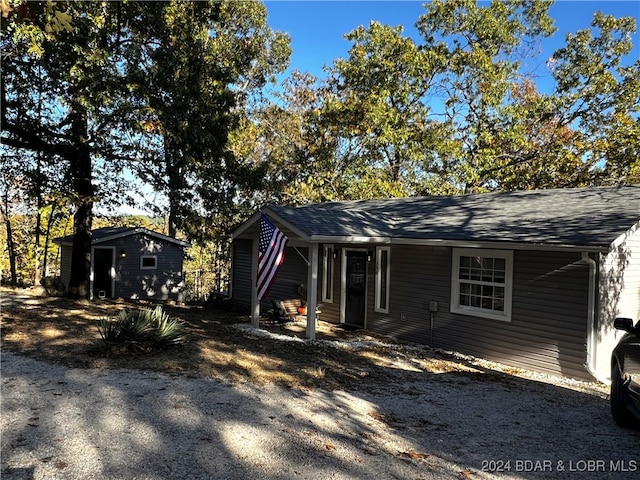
[(330, 310), (548, 327), (291, 276), (547, 331), (241, 277)]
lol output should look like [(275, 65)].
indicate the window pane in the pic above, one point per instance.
[(149, 262), (481, 282), (327, 278), (383, 278), (474, 274), (465, 300), (487, 290)]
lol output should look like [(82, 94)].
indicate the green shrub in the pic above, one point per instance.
[(148, 329)]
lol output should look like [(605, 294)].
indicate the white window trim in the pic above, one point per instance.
[(455, 283), (327, 259), (377, 307), (155, 260)]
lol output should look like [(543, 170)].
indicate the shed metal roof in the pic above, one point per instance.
[(592, 217)]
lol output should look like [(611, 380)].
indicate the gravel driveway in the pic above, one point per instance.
[(67, 423)]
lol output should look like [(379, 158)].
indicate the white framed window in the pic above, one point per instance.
[(148, 262), (383, 269), (327, 273), (481, 283)]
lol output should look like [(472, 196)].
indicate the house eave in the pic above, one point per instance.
[(551, 247), (297, 232)]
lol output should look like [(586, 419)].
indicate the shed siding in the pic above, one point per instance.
[(548, 327), (619, 294), (162, 283), (65, 264)]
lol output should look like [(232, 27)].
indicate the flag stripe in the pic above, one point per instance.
[(272, 244)]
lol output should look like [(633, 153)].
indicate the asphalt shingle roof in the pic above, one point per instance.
[(584, 217), (106, 233)]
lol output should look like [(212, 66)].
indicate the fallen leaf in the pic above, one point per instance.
[(415, 455)]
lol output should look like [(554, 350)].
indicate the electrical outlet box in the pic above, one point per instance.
[(433, 306)]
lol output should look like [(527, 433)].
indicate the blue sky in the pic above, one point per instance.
[(317, 27)]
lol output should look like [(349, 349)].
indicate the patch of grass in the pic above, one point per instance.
[(142, 330)]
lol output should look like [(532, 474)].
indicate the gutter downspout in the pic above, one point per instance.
[(592, 348)]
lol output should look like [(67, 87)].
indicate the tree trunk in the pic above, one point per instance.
[(174, 184), (12, 253), (36, 246), (80, 170), (11, 248), (47, 237)]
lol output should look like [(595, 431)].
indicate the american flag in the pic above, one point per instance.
[(271, 255)]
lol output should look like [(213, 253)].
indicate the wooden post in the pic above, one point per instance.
[(255, 303)]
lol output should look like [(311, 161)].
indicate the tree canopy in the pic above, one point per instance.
[(190, 99)]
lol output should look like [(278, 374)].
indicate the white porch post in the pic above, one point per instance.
[(255, 303), (312, 291)]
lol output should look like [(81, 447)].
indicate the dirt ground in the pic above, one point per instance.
[(65, 331), (349, 405)]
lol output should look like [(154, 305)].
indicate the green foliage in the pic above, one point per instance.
[(142, 330), (457, 112), (193, 66)]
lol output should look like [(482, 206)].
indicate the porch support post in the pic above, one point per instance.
[(312, 291), (255, 303), (91, 273)]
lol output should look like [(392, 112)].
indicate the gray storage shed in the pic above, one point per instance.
[(131, 263), (531, 279)]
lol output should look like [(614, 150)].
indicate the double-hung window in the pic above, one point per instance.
[(481, 283), (382, 279), (327, 273)]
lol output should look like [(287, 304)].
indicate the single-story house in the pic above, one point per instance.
[(131, 263), (533, 279)]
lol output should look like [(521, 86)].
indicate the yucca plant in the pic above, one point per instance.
[(148, 329), (165, 330)]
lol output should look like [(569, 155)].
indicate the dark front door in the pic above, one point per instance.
[(102, 266), (354, 308)]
